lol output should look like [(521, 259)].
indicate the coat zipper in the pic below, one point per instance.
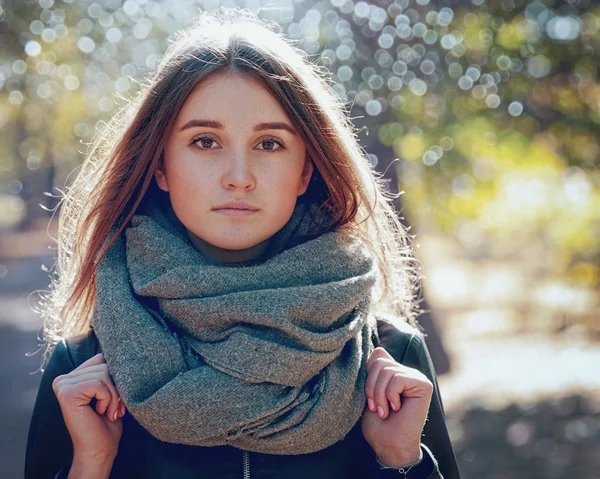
[(246, 461)]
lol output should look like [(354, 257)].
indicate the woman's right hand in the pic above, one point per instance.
[(95, 433)]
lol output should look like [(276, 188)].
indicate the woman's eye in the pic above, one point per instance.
[(268, 144), (271, 144), (204, 142)]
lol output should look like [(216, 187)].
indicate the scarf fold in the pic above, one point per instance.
[(268, 356)]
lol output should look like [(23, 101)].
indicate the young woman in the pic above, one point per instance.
[(235, 294)]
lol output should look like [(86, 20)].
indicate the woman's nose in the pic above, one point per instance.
[(239, 174)]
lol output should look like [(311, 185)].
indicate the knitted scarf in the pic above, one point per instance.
[(267, 356)]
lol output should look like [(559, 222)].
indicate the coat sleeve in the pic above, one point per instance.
[(49, 447), (435, 433)]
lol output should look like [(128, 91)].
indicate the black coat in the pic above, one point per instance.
[(50, 451)]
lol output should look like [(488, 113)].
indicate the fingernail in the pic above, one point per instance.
[(371, 404), (380, 411), (116, 415), (394, 407)]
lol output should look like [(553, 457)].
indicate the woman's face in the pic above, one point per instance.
[(232, 142)]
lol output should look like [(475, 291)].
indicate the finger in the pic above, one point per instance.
[(101, 372), (98, 368), (394, 391), (81, 394), (113, 406), (421, 387), (406, 385), (377, 353), (381, 400), (372, 377), (97, 359), (110, 408)]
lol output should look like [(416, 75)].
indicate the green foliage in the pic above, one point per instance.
[(492, 107)]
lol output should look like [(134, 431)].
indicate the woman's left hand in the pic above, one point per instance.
[(398, 400)]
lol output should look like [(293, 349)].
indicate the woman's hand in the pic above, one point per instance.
[(398, 400), (95, 433)]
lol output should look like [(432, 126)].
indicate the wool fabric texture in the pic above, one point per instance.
[(267, 356)]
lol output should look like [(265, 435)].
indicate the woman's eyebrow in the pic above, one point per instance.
[(277, 125)]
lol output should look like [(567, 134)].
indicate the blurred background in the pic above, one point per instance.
[(483, 117)]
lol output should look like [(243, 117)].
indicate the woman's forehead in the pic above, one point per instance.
[(230, 100)]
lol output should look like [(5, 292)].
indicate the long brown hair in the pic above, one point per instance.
[(119, 167)]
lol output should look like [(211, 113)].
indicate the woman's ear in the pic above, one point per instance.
[(306, 176), (161, 179)]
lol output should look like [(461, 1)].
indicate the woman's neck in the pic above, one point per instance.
[(216, 255)]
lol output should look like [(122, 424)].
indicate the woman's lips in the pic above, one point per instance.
[(235, 212)]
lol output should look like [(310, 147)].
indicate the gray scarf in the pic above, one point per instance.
[(268, 356)]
